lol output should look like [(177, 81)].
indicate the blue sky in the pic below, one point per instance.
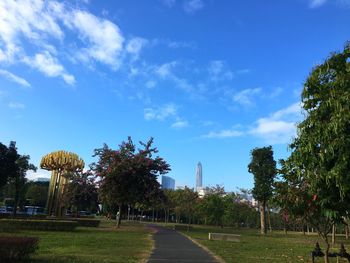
[(208, 79)]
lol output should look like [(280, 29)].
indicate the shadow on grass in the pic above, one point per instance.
[(56, 260)]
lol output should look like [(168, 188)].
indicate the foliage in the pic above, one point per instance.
[(45, 225), (8, 157), (37, 193), (17, 171), (127, 175), (212, 206), (80, 193), (17, 248), (317, 172), (263, 167)]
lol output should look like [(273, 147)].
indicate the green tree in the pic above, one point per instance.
[(80, 193), (8, 157), (127, 175), (186, 200), (263, 167), (320, 153), (37, 192)]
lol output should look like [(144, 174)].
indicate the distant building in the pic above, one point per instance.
[(168, 182), (199, 183)]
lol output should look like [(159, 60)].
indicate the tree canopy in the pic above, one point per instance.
[(263, 167), (318, 168), (128, 175)]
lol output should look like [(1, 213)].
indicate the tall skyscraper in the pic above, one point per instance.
[(168, 182), (199, 184)]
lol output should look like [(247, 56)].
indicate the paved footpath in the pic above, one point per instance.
[(171, 247)]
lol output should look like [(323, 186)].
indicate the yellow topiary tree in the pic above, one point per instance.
[(61, 163)]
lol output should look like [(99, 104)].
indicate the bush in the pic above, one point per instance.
[(86, 222), (23, 216), (17, 248), (47, 225)]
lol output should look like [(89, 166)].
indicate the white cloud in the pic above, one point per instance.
[(40, 173), (161, 113), (192, 6), (50, 66), (230, 133), (280, 126), (165, 70), (150, 84), (12, 77), (103, 38), (179, 124), (39, 27), (317, 3), (16, 105), (217, 71), (135, 45), (245, 97), (168, 3)]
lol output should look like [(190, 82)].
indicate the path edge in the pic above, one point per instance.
[(216, 257)]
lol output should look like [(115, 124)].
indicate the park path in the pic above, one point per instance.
[(171, 247)]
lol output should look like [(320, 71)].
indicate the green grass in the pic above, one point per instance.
[(275, 247), (131, 243)]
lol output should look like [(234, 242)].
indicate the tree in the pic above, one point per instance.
[(37, 193), (127, 175), (18, 180), (186, 203), (80, 192), (8, 157), (13, 169), (320, 153), (263, 167)]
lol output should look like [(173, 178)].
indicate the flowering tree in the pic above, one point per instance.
[(128, 175)]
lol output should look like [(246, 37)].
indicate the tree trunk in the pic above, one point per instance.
[(268, 218), (119, 216), (308, 229), (326, 259), (333, 234), (347, 231), (262, 218), (16, 199)]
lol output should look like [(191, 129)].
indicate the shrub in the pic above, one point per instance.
[(17, 248), (47, 225), (87, 222)]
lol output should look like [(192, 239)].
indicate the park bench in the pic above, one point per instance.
[(224, 237)]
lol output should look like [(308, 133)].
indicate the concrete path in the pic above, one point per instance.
[(171, 247)]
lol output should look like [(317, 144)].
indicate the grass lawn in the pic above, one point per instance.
[(131, 243), (275, 247)]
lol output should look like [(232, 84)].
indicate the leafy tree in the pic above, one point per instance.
[(127, 175), (8, 157), (37, 192), (263, 167), (186, 203), (320, 153), (15, 170), (80, 193), (212, 206)]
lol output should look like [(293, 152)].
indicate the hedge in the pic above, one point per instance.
[(17, 248), (23, 216), (46, 225), (86, 222)]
